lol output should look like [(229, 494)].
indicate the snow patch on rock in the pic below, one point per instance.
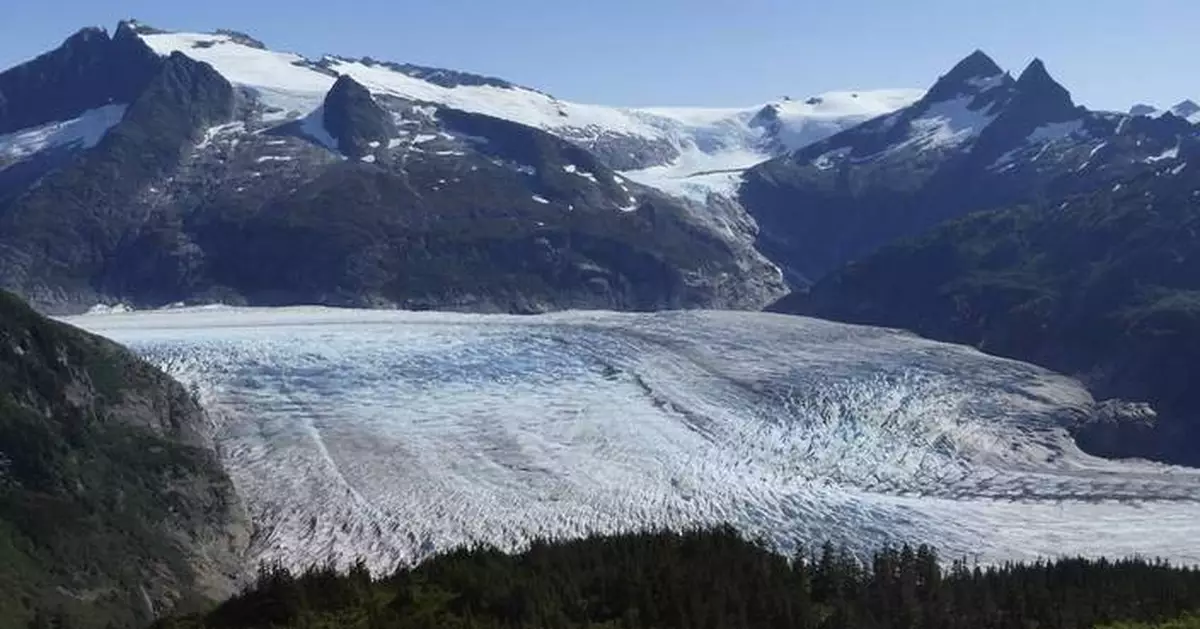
[(82, 132)]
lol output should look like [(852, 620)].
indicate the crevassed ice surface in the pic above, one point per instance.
[(392, 435)]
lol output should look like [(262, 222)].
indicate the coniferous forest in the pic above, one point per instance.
[(713, 579)]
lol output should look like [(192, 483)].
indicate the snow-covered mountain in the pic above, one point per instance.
[(977, 139), (150, 166), (677, 149), (714, 146), (681, 150)]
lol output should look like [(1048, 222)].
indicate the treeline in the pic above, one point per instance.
[(711, 579)]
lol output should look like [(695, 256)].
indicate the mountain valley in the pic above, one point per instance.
[(375, 312)]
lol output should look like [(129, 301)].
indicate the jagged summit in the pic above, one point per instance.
[(1040, 97), (976, 65), (979, 139), (89, 70), (975, 73), (974, 96), (87, 34), (1035, 77)]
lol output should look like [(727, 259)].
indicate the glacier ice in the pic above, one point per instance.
[(392, 435)]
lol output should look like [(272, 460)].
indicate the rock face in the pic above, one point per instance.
[(113, 505), (61, 233), (355, 120), (521, 222)]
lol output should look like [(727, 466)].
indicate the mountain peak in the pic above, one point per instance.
[(1142, 109), (87, 36), (134, 27), (346, 85), (976, 64), (972, 75), (89, 70), (1186, 109), (1035, 72), (1038, 91)]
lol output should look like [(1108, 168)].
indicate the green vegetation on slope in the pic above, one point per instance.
[(108, 491), (708, 579), (1186, 622)]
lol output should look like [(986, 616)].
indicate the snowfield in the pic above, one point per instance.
[(393, 435)]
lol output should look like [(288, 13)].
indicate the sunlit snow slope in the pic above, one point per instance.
[(82, 132), (392, 435)]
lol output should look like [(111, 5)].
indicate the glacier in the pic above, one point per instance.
[(390, 436)]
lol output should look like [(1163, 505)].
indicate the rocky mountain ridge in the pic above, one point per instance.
[(390, 201)]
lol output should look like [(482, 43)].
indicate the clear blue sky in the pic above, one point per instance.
[(1109, 53)]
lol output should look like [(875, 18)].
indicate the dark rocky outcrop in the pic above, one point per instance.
[(443, 77), (355, 120)]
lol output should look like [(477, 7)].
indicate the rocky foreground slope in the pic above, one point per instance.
[(113, 505)]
